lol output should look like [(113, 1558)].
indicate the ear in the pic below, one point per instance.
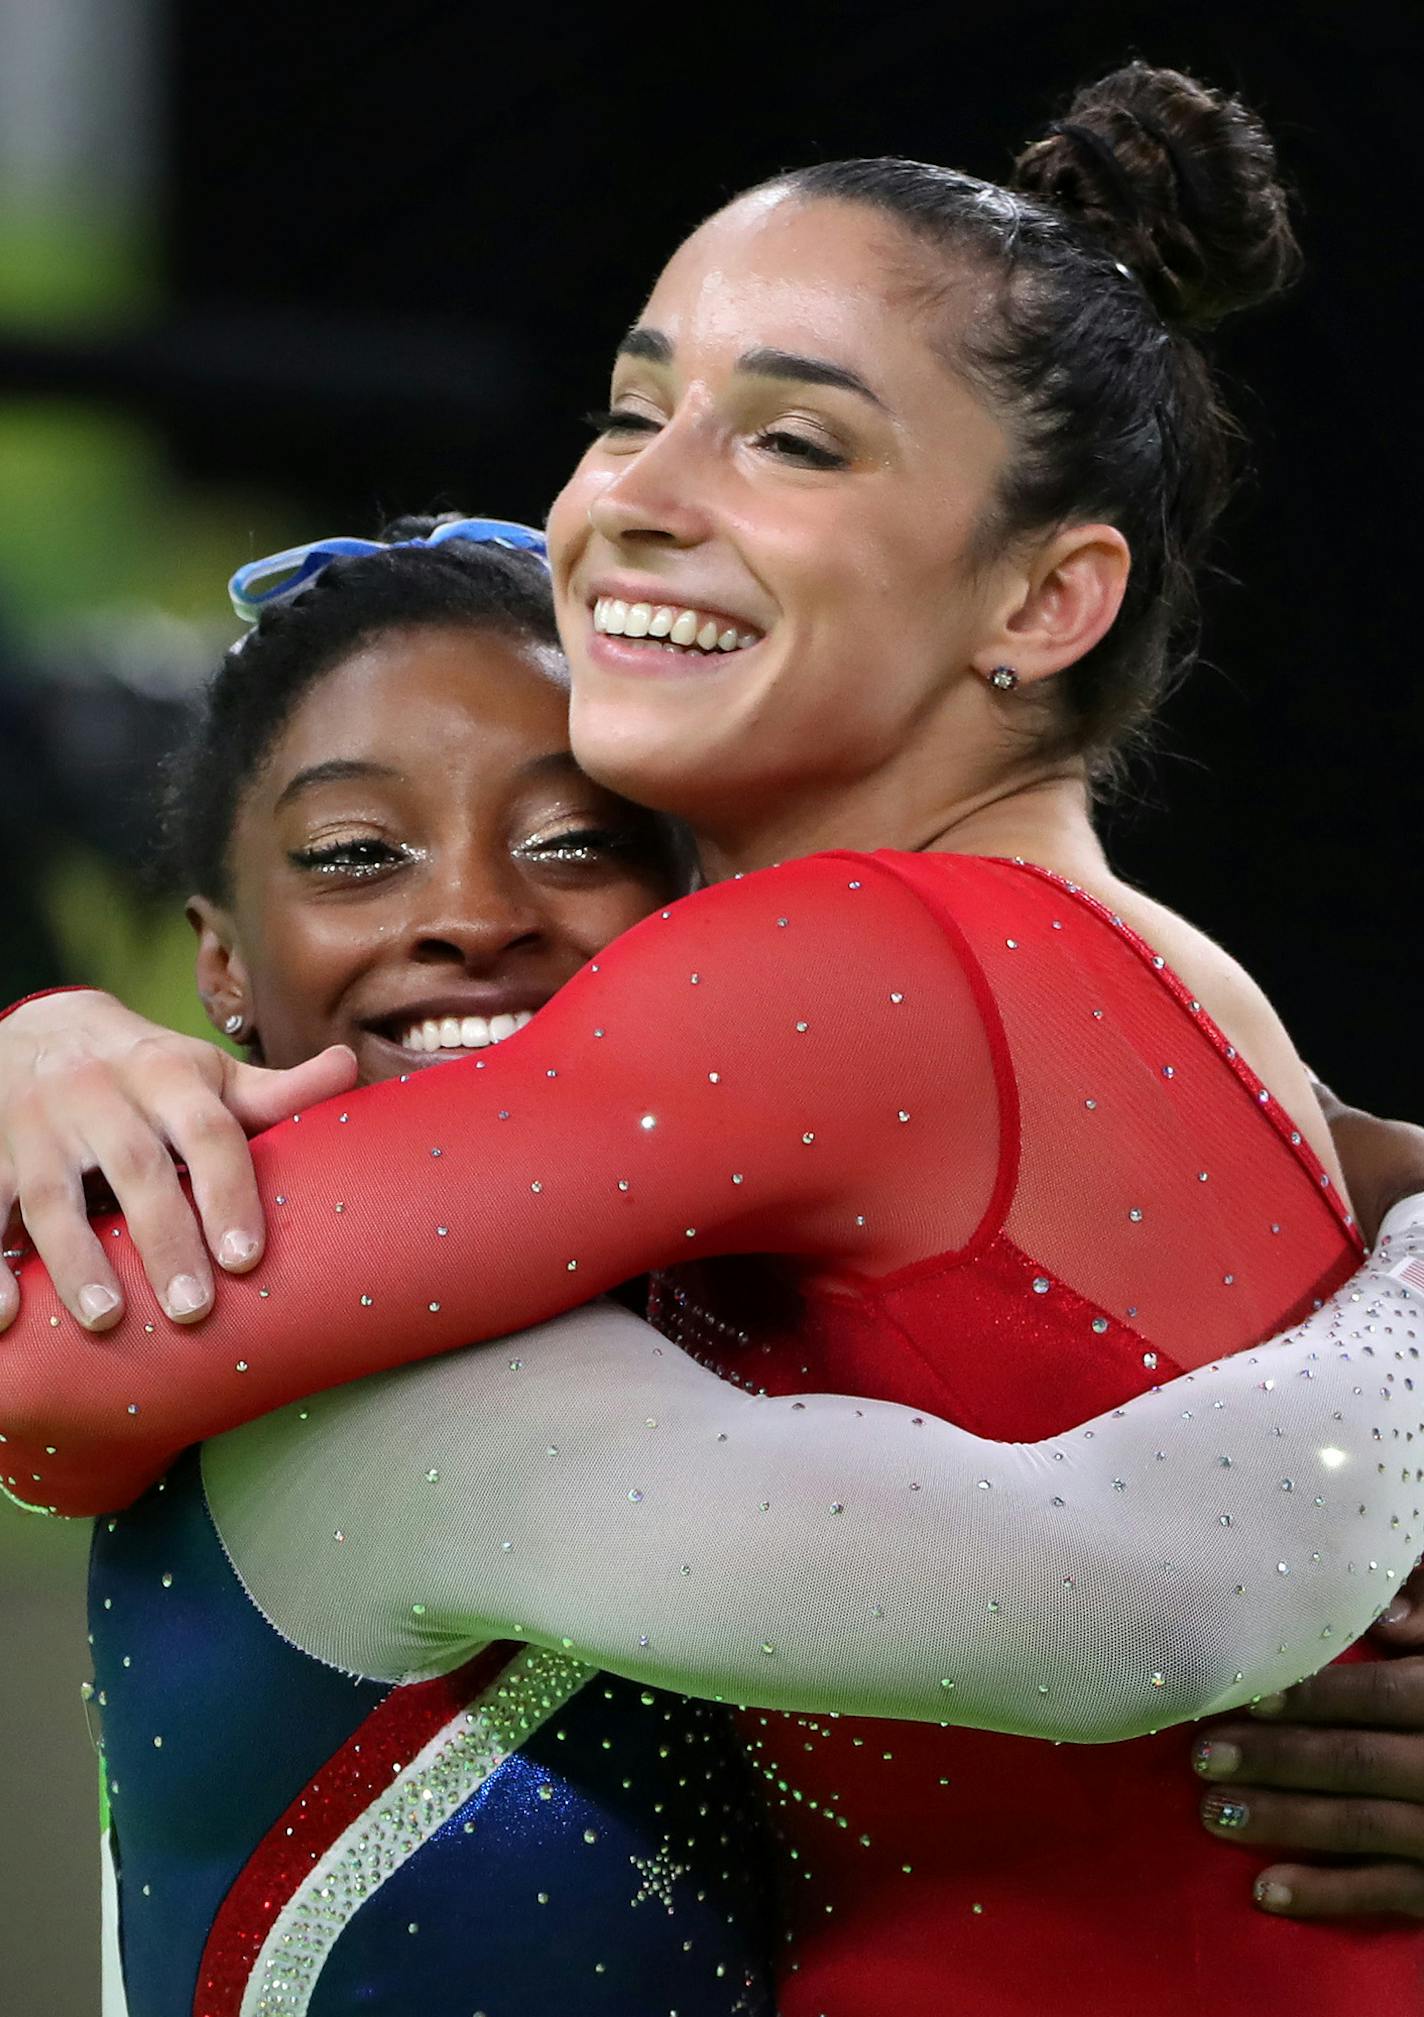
[(1062, 605), (224, 984)]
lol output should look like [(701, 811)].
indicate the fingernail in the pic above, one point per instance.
[(236, 1250), (1219, 1812), (1274, 1897), (96, 1301), (1269, 1705), (1215, 1759), (185, 1295), (1398, 1611)]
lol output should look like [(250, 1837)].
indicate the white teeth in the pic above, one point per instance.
[(689, 629), (470, 1033), (684, 629)]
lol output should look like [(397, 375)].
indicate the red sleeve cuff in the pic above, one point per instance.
[(42, 994)]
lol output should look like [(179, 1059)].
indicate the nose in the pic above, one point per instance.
[(474, 909), (663, 494)]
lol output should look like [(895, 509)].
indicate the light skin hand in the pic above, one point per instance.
[(89, 1088)]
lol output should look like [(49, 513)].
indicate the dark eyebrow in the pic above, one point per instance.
[(649, 344), (765, 363), (333, 771)]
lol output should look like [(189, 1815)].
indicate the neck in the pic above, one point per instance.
[(1043, 815)]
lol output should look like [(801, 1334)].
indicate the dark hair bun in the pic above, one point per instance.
[(1180, 182)]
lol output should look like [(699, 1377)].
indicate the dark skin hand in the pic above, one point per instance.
[(1334, 1768)]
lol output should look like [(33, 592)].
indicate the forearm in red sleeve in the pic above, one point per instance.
[(734, 1075)]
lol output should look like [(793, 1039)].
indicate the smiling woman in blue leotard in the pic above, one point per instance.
[(395, 850)]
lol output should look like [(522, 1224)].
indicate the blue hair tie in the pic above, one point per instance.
[(289, 572)]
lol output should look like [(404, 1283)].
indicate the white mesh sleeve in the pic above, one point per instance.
[(589, 1487)]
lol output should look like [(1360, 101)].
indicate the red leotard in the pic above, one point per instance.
[(1011, 1173)]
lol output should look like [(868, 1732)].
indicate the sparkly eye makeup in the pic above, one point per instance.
[(579, 846), (358, 859)]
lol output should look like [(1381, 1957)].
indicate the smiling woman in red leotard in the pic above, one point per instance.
[(881, 551)]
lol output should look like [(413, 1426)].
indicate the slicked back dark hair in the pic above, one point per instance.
[(1149, 212)]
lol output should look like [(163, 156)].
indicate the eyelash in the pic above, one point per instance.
[(793, 447), (361, 858), (578, 845)]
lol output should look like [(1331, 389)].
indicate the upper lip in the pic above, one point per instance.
[(661, 595), (457, 1002)]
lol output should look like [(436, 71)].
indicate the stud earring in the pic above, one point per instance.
[(1004, 678), (234, 1025)]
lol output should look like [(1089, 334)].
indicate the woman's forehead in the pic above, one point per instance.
[(774, 245), (837, 280), (430, 687)]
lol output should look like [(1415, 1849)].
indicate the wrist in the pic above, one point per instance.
[(44, 994)]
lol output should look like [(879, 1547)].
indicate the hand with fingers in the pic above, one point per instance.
[(88, 1087), (1334, 1768)]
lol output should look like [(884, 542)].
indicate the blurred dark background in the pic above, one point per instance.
[(273, 272)]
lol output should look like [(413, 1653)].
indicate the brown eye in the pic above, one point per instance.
[(796, 448)]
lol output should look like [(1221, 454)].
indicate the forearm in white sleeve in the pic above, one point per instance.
[(588, 1487)]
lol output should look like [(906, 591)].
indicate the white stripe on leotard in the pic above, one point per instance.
[(394, 1828)]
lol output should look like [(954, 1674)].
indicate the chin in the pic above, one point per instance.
[(641, 753)]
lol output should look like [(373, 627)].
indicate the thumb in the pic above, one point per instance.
[(260, 1098)]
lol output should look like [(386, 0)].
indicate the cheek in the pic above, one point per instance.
[(302, 963), (587, 922), (566, 528)]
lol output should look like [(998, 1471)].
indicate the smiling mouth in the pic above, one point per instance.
[(453, 1034), (690, 631)]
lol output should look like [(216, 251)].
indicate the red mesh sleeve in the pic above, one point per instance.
[(773, 1064)]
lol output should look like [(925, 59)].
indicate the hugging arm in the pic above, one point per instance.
[(599, 1492), (736, 1074)]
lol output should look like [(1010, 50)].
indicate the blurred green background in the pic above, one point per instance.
[(112, 608)]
